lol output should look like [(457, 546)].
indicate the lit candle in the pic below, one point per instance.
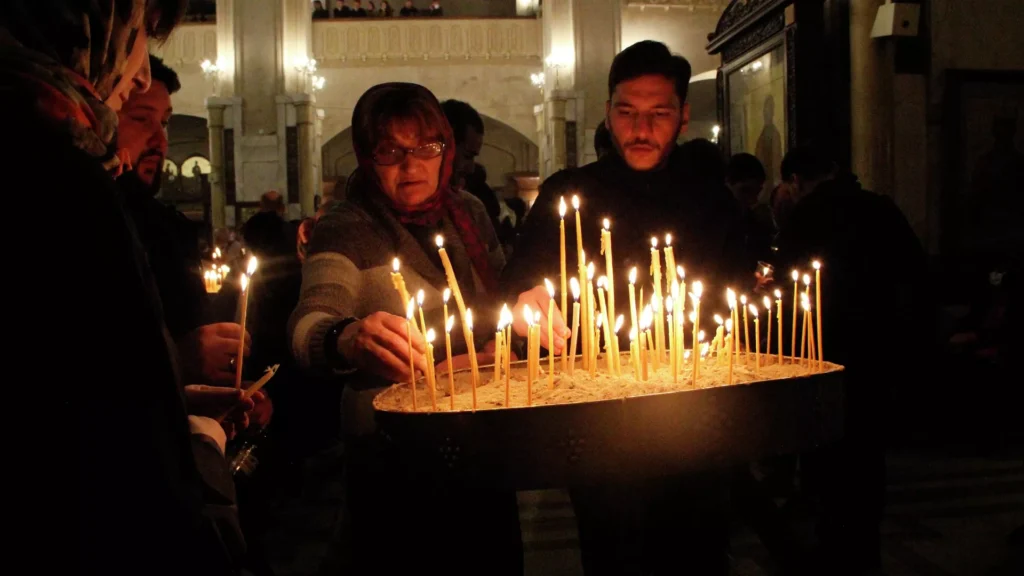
[(757, 340), (670, 266), (768, 345), (810, 321), (565, 287), (746, 326), (730, 298), (499, 348), (591, 317), (410, 311), (420, 296), (507, 319), (806, 305), (671, 340), (448, 354), (471, 346), (698, 289), (702, 347), (551, 334), (606, 247), (632, 299), (680, 313), (467, 320), (796, 292), (431, 374), (575, 321), (444, 299), (718, 342), (778, 304), (536, 357), (615, 344), (398, 281), (729, 346), (244, 281), (646, 317), (582, 270), (528, 316), (659, 336), (817, 306), (658, 318), (601, 283)]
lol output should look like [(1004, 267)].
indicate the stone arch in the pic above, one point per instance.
[(506, 151), (703, 99)]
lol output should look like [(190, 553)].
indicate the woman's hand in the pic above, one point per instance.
[(379, 344), (537, 298)]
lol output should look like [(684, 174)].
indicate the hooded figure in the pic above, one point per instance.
[(351, 322)]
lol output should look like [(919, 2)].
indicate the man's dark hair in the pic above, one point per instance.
[(649, 58), (744, 166), (161, 72), (461, 115), (272, 201), (808, 161)]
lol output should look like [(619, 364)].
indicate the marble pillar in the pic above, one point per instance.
[(215, 124), (871, 107)]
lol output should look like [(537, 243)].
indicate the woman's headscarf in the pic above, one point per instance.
[(372, 117), (67, 57)]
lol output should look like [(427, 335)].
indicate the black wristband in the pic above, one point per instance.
[(334, 357)]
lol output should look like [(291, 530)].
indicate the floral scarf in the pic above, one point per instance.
[(67, 57)]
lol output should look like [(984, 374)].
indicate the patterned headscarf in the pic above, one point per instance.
[(66, 57), (371, 117)]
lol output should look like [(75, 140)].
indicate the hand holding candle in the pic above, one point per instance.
[(244, 281)]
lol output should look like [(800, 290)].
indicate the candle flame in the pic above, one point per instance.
[(536, 316), (728, 325), (410, 308), (718, 320), (528, 315), (251, 268), (668, 305), (743, 299), (550, 287), (654, 242), (806, 305), (681, 272), (646, 317), (730, 297), (686, 355), (574, 284), (607, 224), (575, 202), (693, 317), (469, 318), (632, 333), (764, 271), (816, 265), (778, 293), (796, 275), (245, 282), (698, 288), (602, 281), (753, 310), (420, 296), (655, 303), (675, 290), (446, 295), (590, 271), (632, 275), (767, 303), (807, 279), (439, 240), (668, 239), (704, 350), (430, 336), (619, 322), (448, 324), (395, 265), (700, 336), (600, 319), (505, 315), (561, 207)]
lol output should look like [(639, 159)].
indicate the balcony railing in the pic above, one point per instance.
[(398, 40), (189, 44)]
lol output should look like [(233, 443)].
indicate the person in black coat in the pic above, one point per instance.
[(148, 488), (647, 186)]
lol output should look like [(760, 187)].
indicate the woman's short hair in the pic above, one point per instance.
[(409, 103)]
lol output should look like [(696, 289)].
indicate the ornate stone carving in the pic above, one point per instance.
[(376, 42), (190, 44), (754, 36), (717, 5)]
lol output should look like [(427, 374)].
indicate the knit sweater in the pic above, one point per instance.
[(347, 274)]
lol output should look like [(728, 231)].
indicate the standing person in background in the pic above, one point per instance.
[(357, 10), (149, 490), (409, 9), (468, 127), (319, 12), (386, 11), (435, 9), (341, 10), (745, 177)]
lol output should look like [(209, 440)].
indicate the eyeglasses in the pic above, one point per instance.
[(389, 156)]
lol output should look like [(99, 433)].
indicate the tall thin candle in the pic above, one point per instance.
[(670, 266), (810, 321), (471, 346), (245, 280), (575, 322), (757, 340), (768, 344), (659, 318), (796, 293), (551, 334), (431, 373), (606, 247), (778, 305), (410, 311), (467, 321), (420, 297), (565, 281), (602, 282), (448, 354), (632, 300), (817, 306), (582, 271), (397, 281)]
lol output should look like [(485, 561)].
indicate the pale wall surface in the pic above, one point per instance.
[(684, 31)]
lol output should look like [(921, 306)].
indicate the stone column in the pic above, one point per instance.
[(215, 124), (305, 122), (871, 109)]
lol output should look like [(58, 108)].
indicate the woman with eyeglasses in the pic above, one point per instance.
[(350, 321)]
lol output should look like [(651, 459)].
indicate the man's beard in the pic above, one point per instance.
[(152, 188)]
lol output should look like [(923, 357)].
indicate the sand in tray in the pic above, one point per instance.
[(581, 387)]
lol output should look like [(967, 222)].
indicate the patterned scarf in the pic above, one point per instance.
[(66, 58), (364, 127)]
